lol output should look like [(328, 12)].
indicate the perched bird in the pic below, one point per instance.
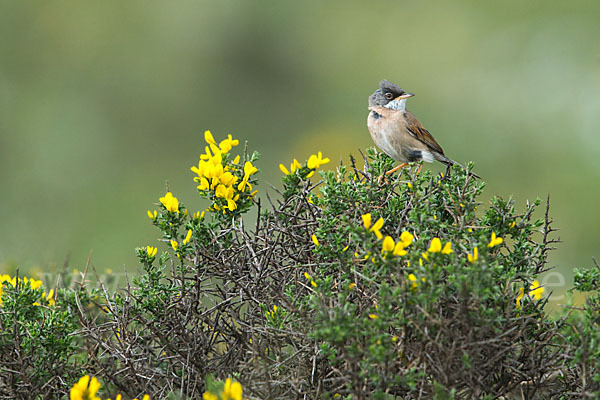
[(397, 132)]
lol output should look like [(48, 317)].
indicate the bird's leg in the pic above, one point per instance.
[(391, 171), (419, 169)]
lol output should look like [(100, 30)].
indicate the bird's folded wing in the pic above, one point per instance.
[(420, 133)]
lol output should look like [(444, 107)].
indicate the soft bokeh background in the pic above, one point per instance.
[(102, 102)]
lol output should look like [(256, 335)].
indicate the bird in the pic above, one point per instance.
[(397, 132)]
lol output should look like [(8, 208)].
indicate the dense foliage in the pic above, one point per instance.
[(347, 286)]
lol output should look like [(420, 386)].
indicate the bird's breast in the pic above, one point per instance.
[(385, 133)]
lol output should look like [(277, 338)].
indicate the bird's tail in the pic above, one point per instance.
[(449, 162)]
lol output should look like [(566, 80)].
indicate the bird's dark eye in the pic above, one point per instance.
[(389, 96)]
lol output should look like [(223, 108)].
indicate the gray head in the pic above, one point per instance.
[(387, 92)]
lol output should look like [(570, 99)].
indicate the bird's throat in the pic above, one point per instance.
[(398, 105)]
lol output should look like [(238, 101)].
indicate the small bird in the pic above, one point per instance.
[(398, 132)]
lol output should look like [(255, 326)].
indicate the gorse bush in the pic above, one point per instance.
[(340, 288)]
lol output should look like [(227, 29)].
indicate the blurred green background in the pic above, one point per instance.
[(102, 102)]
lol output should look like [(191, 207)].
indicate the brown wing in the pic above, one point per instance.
[(419, 132)]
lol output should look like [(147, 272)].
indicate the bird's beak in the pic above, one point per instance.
[(404, 96)]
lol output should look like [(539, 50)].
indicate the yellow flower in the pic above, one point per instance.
[(174, 245), (307, 276), (284, 169), (475, 256), (146, 397), (34, 284), (232, 390), (494, 241), (406, 238), (236, 160), (315, 240), (512, 225), (221, 191), (387, 245), (413, 281), (313, 283), (447, 248), (204, 185), (208, 137), (152, 215), (399, 249), (187, 237), (425, 257), (170, 202), (351, 286), (536, 290), (410, 186), (315, 161), (373, 316), (209, 396), (228, 143), (85, 389), (366, 218), (519, 297), (151, 251), (49, 297), (214, 171), (249, 169), (295, 165), (228, 179), (435, 246), (376, 227)]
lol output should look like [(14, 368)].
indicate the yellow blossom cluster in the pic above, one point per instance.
[(473, 257), (309, 278), (170, 202), (375, 228), (231, 391), (494, 241), (414, 282), (397, 248), (536, 291), (315, 240), (25, 281), (151, 251), (223, 181), (271, 314), (87, 388), (314, 162), (436, 247)]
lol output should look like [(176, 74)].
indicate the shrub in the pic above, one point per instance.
[(341, 288)]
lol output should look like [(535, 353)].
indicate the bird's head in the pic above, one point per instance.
[(389, 95)]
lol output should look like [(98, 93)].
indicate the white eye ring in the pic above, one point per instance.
[(389, 96)]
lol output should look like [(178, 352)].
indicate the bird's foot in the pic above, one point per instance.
[(382, 180)]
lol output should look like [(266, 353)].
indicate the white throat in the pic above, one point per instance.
[(398, 105)]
